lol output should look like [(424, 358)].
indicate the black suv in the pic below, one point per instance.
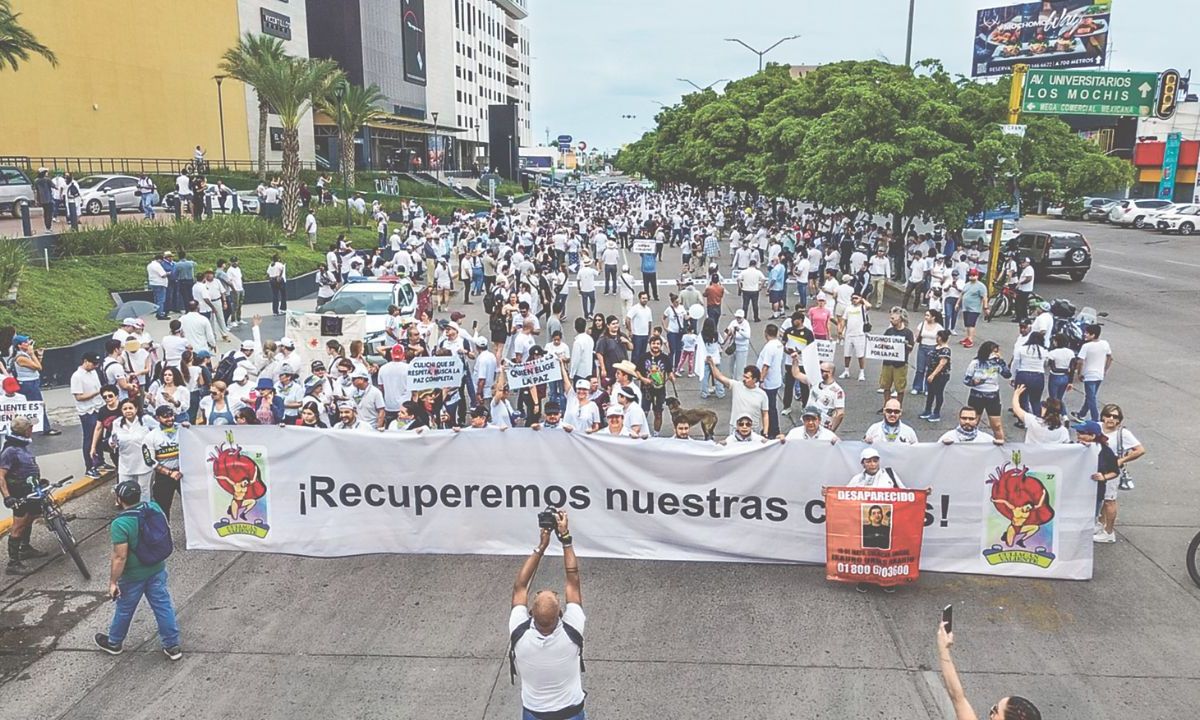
[(1055, 253)]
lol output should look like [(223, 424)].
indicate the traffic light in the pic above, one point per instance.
[(1168, 94)]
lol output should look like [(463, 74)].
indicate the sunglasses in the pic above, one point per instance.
[(108, 396), (1111, 415), (743, 423), (891, 412)]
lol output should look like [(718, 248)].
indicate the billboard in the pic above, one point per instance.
[(412, 36), (1044, 34)]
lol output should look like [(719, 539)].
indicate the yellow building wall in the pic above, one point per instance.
[(134, 79)]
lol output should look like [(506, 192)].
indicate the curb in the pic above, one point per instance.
[(64, 494)]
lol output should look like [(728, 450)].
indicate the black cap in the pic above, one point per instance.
[(128, 492), (479, 411), (553, 408), (317, 365), (93, 358)]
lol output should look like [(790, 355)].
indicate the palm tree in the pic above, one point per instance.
[(248, 61), (350, 107), (290, 87), (16, 43)]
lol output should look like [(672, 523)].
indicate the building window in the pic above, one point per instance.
[(457, 71), (457, 14), (458, 93)]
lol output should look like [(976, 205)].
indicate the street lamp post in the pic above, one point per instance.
[(912, 7), (437, 170), (339, 95), (512, 163), (706, 87), (221, 114), (761, 53)]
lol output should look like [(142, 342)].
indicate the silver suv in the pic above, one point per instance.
[(15, 189)]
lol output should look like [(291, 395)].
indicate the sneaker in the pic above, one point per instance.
[(103, 643), (954, 333), (28, 551), (786, 411), (16, 567), (1098, 528), (1125, 484), (895, 394), (889, 589), (107, 467), (878, 391), (862, 376), (1104, 537), (93, 473), (968, 344), (924, 416), (934, 418), (845, 374), (861, 587), (173, 653), (914, 391)]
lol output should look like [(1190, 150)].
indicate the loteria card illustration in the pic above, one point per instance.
[(240, 502), (1021, 528)]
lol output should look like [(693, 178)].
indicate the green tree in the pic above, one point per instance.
[(251, 61), (16, 42), (350, 107), (291, 87)]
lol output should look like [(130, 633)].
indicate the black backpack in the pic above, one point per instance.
[(520, 630), (154, 535), (225, 368)]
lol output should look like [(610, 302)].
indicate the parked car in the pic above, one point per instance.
[(1151, 220), (1134, 212), (372, 296), (247, 200), (15, 188), (1099, 211), (1055, 253), (1075, 209), (96, 190), (1183, 219), (977, 232)]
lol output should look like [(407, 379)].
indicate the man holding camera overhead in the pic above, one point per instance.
[(546, 640)]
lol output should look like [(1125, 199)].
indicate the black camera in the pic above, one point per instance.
[(548, 518)]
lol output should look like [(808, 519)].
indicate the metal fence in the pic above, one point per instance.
[(133, 166)]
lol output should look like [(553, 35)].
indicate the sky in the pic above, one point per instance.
[(596, 60)]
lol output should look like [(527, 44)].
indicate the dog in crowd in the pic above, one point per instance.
[(706, 420)]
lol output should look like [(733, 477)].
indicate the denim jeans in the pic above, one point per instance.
[(160, 300), (154, 588), (772, 428), (32, 390), (1057, 386), (639, 348), (1091, 388), (675, 340), (87, 424), (950, 313), (1034, 382), (148, 206), (802, 291), (610, 279), (279, 296), (922, 367), (589, 301)]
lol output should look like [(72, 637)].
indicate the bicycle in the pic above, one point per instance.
[(1193, 559), (56, 521)]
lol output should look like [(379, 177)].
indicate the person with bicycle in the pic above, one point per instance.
[(18, 471)]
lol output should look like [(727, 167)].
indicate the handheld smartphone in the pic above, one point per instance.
[(948, 618)]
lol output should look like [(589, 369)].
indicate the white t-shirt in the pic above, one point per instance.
[(548, 664), (640, 316), (801, 433), (1060, 360), (84, 382), (581, 417), (635, 416), (771, 356), (829, 398), (393, 376), (1124, 439), (1094, 354), (952, 437), (751, 279), (583, 357), (485, 369), (885, 478), (587, 279), (1036, 432), (901, 434), (854, 317), (747, 401), (1025, 280)]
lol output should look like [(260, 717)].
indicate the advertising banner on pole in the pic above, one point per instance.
[(885, 347), (31, 409), (1059, 34), (873, 535), (1016, 510), (426, 373), (644, 246), (1170, 166), (535, 372)]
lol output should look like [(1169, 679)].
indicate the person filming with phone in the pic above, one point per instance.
[(1013, 707), (546, 638)]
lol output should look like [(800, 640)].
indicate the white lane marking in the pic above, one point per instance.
[(1131, 272), (1179, 262), (1106, 250)]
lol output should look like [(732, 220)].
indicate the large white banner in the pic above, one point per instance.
[(1014, 510)]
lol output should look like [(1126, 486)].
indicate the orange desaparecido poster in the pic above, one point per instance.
[(873, 535)]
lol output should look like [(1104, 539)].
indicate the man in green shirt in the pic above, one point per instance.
[(129, 579)]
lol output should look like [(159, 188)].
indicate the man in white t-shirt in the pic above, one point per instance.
[(1095, 358), (852, 327), (770, 362), (1024, 288), (638, 321), (545, 639), (486, 366), (811, 428), (750, 283), (748, 398), (393, 378)]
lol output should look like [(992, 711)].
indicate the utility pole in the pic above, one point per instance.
[(1014, 116), (437, 144), (221, 114), (912, 6)]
